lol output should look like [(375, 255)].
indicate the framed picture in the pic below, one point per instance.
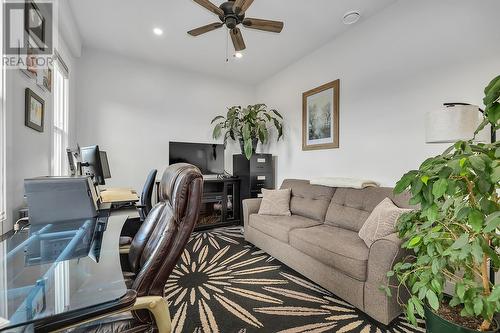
[(35, 24), (47, 79), (44, 78), (34, 110), (29, 66), (320, 117)]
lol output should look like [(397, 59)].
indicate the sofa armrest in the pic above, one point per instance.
[(250, 206), (384, 253)]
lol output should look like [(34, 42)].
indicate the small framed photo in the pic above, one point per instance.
[(320, 117), (34, 110), (29, 65)]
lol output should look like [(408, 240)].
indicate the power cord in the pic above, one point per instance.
[(18, 227)]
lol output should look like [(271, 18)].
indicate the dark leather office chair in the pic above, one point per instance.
[(153, 255)]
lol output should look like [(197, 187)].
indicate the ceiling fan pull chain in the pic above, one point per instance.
[(227, 47)]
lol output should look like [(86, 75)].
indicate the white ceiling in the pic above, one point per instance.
[(125, 27)]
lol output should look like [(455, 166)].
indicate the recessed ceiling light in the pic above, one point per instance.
[(238, 55), (351, 17), (158, 31)]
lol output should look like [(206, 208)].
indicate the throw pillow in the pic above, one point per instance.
[(275, 202), (381, 222)]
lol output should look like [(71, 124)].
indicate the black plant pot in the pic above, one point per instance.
[(255, 141), (435, 324)]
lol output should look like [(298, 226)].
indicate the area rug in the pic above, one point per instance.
[(224, 284)]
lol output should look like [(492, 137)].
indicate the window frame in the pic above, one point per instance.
[(60, 121)]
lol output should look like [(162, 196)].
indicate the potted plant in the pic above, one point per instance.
[(248, 125), (453, 236)]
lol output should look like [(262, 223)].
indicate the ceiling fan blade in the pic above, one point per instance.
[(204, 29), (238, 42), (241, 6), (237, 5), (266, 25), (210, 6)]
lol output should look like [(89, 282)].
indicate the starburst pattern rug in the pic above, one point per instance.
[(224, 284)]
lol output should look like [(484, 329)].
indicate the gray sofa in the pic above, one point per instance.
[(320, 240)]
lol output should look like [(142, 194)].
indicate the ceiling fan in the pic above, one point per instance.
[(232, 13)]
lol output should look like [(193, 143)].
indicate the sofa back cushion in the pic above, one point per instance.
[(308, 200), (350, 208)]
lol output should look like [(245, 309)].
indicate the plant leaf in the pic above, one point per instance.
[(277, 113), (439, 188), (493, 112), (477, 162), (492, 91), (216, 118), (492, 222), (476, 220), (414, 241), (432, 299), (248, 148), (478, 306), (461, 241), (405, 181), (217, 131), (460, 290), (495, 175)]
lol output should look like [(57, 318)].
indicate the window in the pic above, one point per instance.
[(60, 164), (60, 121)]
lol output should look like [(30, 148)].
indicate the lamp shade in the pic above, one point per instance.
[(453, 123)]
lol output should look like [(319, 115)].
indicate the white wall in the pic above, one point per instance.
[(394, 67), (133, 109), (28, 151)]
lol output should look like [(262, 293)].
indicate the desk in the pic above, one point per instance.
[(41, 288)]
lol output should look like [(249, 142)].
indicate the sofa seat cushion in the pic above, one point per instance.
[(336, 247), (280, 226)]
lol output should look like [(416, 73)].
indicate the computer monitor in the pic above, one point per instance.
[(105, 165), (92, 165)]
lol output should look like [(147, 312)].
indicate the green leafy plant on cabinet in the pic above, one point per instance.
[(248, 125)]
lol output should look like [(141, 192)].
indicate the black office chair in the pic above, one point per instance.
[(147, 195), (132, 226)]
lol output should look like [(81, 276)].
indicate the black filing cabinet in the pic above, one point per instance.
[(255, 174)]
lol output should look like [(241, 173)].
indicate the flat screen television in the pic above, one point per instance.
[(209, 158)]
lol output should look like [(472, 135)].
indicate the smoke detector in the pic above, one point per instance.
[(351, 17)]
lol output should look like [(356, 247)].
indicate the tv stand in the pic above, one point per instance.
[(220, 203)]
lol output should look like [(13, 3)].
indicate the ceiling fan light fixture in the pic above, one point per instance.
[(231, 22), (351, 17)]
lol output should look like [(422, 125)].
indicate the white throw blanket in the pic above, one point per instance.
[(344, 182)]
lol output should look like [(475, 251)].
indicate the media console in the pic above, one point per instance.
[(220, 203)]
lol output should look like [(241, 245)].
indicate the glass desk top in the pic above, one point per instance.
[(55, 268)]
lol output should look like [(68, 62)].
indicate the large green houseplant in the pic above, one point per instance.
[(454, 234), (248, 126)]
